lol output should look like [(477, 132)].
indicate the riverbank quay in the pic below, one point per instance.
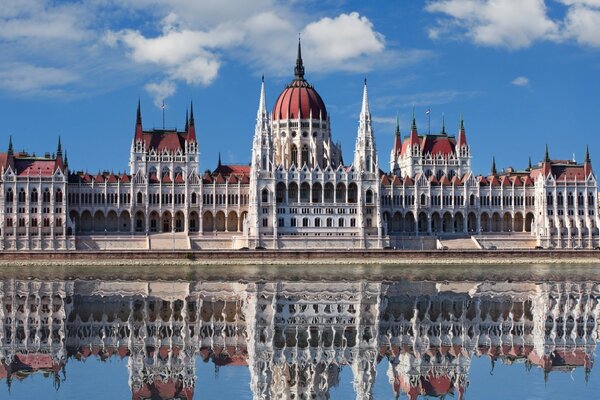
[(282, 257)]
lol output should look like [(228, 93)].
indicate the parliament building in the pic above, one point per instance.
[(297, 192)]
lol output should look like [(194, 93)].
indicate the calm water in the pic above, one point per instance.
[(323, 332)]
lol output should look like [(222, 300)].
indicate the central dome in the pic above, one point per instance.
[(299, 99)]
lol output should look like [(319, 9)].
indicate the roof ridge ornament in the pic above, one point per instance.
[(299, 69)]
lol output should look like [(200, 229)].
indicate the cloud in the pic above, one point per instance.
[(339, 43), (160, 91), (520, 81), (497, 23), (25, 78), (582, 23)]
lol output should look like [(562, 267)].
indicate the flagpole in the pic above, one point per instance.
[(429, 121), (163, 112)]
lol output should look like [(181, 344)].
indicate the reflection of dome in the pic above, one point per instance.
[(299, 98)]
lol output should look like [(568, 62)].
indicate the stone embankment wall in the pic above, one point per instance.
[(238, 257)]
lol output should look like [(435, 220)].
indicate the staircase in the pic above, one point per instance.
[(459, 243), (169, 241)]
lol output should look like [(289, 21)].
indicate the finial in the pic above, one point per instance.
[(587, 153), (299, 70), (462, 123), (397, 124), (547, 155), (529, 166), (219, 162), (187, 124), (138, 120), (493, 165), (443, 124), (191, 113), (10, 146), (59, 148), (263, 79), (66, 161), (414, 122)]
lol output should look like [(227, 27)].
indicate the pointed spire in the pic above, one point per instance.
[(187, 121), (462, 136), (191, 113), (587, 153), (59, 148), (299, 70), (10, 146), (397, 138), (191, 126), (219, 162), (443, 125), (529, 165), (262, 102), (66, 162), (547, 154), (365, 113), (138, 120), (414, 121), (494, 166), (462, 123)]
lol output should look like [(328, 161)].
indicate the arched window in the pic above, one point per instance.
[(58, 198), (318, 222), (139, 198), (22, 196), (305, 222), (34, 196), (294, 155), (369, 197), (423, 199), (265, 195), (341, 222), (194, 198), (304, 155), (9, 196), (46, 196)]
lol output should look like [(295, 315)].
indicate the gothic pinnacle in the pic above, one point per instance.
[(299, 70), (138, 120), (494, 166)]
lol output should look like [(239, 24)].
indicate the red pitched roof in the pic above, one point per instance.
[(232, 169), (34, 166), (438, 144), (385, 181)]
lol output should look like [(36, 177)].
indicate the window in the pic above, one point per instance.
[(329, 222), (353, 222), (9, 196), (281, 222), (369, 197), (34, 196), (318, 222), (194, 198), (294, 153), (265, 195), (341, 222), (265, 222), (304, 155), (293, 222), (22, 196), (59, 197), (305, 222)]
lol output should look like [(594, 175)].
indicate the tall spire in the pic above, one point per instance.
[(397, 138), (529, 165), (462, 136), (547, 154), (59, 148), (262, 102), (414, 121), (365, 112), (443, 125), (66, 162), (191, 127), (10, 146), (187, 121), (587, 153), (138, 120), (299, 70), (219, 162), (494, 166)]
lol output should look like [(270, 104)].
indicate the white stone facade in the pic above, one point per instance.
[(297, 192)]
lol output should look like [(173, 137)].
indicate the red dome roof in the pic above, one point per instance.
[(297, 100)]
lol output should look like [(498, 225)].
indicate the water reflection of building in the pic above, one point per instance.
[(296, 337)]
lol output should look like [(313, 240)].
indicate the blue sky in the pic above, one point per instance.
[(522, 73)]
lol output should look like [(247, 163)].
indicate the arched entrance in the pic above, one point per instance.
[(166, 221), (208, 222), (232, 222), (220, 221)]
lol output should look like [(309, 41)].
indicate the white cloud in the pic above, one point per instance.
[(26, 78), (160, 91), (520, 81), (340, 42), (498, 23), (582, 23)]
